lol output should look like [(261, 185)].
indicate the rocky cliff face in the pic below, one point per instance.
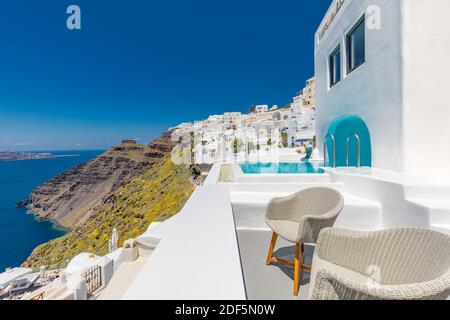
[(68, 198), (158, 190)]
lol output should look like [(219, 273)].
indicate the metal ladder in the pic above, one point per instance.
[(333, 140), (358, 141)]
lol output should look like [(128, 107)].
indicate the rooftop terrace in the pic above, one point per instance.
[(217, 246)]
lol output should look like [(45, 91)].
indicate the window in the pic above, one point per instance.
[(356, 46), (335, 66)]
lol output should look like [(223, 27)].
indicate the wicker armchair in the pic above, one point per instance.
[(299, 218), (398, 264)]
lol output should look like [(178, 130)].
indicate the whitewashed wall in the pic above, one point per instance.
[(373, 91), (426, 53), (402, 92)]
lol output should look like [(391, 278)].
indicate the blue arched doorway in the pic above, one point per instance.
[(343, 127)]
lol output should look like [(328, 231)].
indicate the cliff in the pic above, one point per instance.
[(130, 189), (68, 198)]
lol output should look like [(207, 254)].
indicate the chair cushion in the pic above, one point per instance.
[(288, 230), (319, 264)]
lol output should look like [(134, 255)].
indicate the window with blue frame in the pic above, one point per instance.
[(335, 66), (356, 46)]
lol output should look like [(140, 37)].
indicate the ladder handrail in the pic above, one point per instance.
[(333, 140), (358, 141)]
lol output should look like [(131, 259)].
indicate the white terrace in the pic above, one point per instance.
[(216, 246)]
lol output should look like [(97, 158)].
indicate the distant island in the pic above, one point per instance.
[(20, 156)]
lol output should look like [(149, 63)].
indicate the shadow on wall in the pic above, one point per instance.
[(342, 128)]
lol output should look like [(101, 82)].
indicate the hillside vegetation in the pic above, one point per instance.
[(157, 194)]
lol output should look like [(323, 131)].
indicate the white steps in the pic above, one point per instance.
[(375, 198), (360, 214), (438, 212), (428, 192), (287, 188), (249, 211)]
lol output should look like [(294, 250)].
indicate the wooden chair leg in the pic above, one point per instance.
[(297, 268), (299, 255), (302, 265), (271, 248)]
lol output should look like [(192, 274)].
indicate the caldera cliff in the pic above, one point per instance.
[(126, 188)]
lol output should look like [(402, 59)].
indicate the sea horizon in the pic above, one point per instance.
[(55, 150)]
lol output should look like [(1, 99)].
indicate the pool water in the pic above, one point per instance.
[(282, 168)]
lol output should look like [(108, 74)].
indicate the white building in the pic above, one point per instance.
[(386, 63), (261, 108), (309, 94), (231, 117), (297, 104)]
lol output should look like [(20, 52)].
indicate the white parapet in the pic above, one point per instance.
[(198, 258)]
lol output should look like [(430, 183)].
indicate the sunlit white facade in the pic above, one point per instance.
[(401, 90)]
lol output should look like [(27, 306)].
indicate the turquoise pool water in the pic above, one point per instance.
[(282, 168)]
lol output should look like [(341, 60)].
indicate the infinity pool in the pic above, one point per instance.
[(282, 168)]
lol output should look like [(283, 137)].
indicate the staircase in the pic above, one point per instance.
[(250, 200), (408, 201), (435, 201), (374, 198)]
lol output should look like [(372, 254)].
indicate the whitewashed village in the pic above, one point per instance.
[(330, 197), (265, 132)]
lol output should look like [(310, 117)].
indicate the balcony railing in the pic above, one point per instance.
[(93, 279)]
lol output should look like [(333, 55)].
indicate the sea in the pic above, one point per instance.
[(21, 231)]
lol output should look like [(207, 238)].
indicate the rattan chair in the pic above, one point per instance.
[(299, 218), (398, 264)]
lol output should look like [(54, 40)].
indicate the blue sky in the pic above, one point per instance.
[(138, 67)]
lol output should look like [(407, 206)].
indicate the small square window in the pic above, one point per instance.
[(356, 46), (335, 66)]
